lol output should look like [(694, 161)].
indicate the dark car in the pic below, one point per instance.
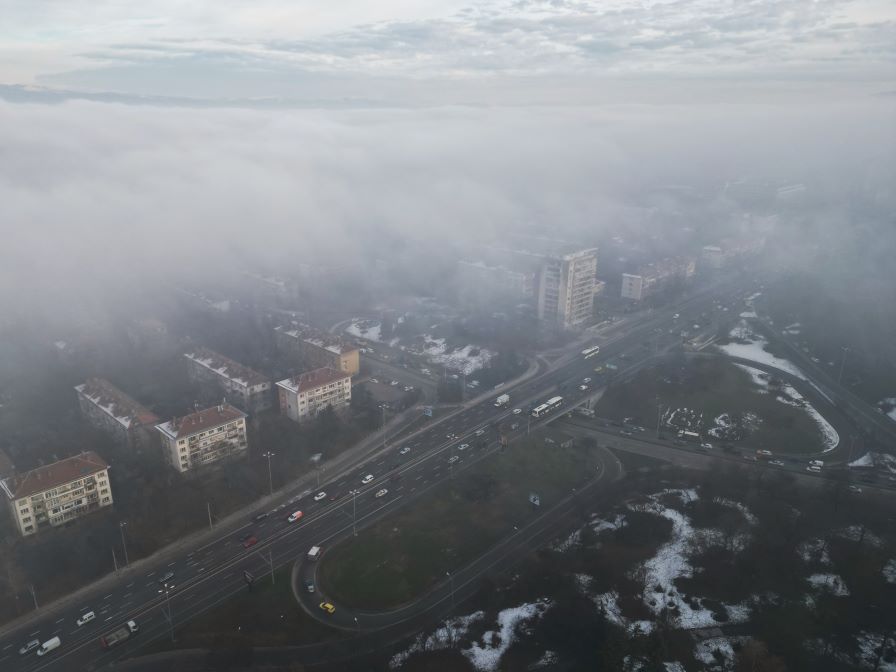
[(260, 516), (250, 541), (309, 585)]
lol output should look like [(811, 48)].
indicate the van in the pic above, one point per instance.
[(314, 553), (49, 645)]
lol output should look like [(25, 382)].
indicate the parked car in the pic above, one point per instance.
[(706, 445), (367, 479), (586, 381), (393, 383), (854, 488), (583, 388), (404, 451), (250, 541), (374, 380), (480, 431), (814, 469), (319, 496), (463, 446), (517, 411), (381, 493), (294, 516), (327, 607)]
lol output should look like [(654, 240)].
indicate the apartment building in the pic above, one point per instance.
[(306, 395), (315, 349), (204, 437), (566, 286), (112, 411), (57, 493), (650, 278), (247, 389)]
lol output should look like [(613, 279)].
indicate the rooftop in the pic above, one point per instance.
[(117, 404), (53, 475), (199, 421), (226, 367), (310, 335), (312, 379)]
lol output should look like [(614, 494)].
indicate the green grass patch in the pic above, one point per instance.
[(711, 387), (400, 557)]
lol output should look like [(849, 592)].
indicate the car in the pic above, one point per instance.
[(333, 496), (450, 436), (854, 488), (166, 577), (517, 411), (381, 493), (586, 380), (367, 479), (28, 647), (453, 459), (816, 463), (250, 541), (764, 453), (583, 387), (776, 463), (309, 585), (814, 469), (751, 458), (463, 446), (408, 388), (405, 450), (707, 446), (327, 607), (625, 432), (319, 496), (260, 516), (294, 516), (514, 425), (374, 380), (676, 316), (393, 383), (480, 431), (85, 618)]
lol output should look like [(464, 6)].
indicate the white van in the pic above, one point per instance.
[(86, 618), (49, 645), (314, 553)]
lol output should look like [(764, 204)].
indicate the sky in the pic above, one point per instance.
[(138, 140)]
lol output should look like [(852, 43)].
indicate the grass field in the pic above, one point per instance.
[(711, 387), (268, 615), (399, 557)]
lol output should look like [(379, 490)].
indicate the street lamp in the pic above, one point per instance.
[(269, 455), (357, 625), (354, 513), (167, 588), (842, 363), (121, 525), (451, 581)]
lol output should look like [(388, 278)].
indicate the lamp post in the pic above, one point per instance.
[(451, 582), (354, 513), (269, 455), (121, 525), (842, 363), (166, 589)]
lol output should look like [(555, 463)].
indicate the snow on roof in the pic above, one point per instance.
[(199, 421), (311, 336), (312, 379), (226, 367), (115, 403)]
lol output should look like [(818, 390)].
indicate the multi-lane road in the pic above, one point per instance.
[(204, 576)]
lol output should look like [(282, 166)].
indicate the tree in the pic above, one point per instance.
[(755, 657)]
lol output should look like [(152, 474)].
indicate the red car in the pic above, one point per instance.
[(250, 541)]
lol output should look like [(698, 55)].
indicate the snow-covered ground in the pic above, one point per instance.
[(830, 582), (815, 550), (888, 406), (446, 636), (486, 653), (889, 571), (710, 651), (752, 346), (882, 461)]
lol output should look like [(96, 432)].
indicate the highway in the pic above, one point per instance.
[(209, 574)]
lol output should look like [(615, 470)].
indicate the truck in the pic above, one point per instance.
[(503, 400), (118, 636), (314, 553)]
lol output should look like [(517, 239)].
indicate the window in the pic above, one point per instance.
[(29, 528), (105, 500), (26, 519), (23, 511)]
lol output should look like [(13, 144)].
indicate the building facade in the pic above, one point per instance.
[(110, 410), (204, 437), (318, 350), (566, 287), (247, 389), (652, 277), (306, 395), (57, 493)]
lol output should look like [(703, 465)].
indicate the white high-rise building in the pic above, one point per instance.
[(566, 286)]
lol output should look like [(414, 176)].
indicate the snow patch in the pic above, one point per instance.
[(887, 406), (865, 461), (716, 652), (814, 551), (486, 654), (889, 571), (752, 346), (443, 637), (830, 582)]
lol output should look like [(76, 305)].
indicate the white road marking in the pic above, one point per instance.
[(60, 620), (108, 596)]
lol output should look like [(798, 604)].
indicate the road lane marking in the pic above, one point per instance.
[(172, 564), (60, 620), (108, 596), (130, 585), (110, 618)]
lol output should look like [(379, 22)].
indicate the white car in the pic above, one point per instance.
[(480, 432), (814, 469), (586, 380), (85, 618), (405, 450), (453, 459), (374, 380), (408, 388), (394, 383), (856, 489), (463, 446), (367, 479), (517, 411), (294, 516), (776, 463), (583, 387), (381, 493), (319, 496), (707, 446)]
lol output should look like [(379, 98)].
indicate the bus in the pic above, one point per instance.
[(547, 407), (591, 352)]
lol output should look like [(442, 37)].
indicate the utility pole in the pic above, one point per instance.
[(271, 563), (383, 407), (842, 363), (451, 581), (121, 525), (208, 506), (269, 455), (166, 589), (354, 513), (659, 416), (33, 596), (114, 560)]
